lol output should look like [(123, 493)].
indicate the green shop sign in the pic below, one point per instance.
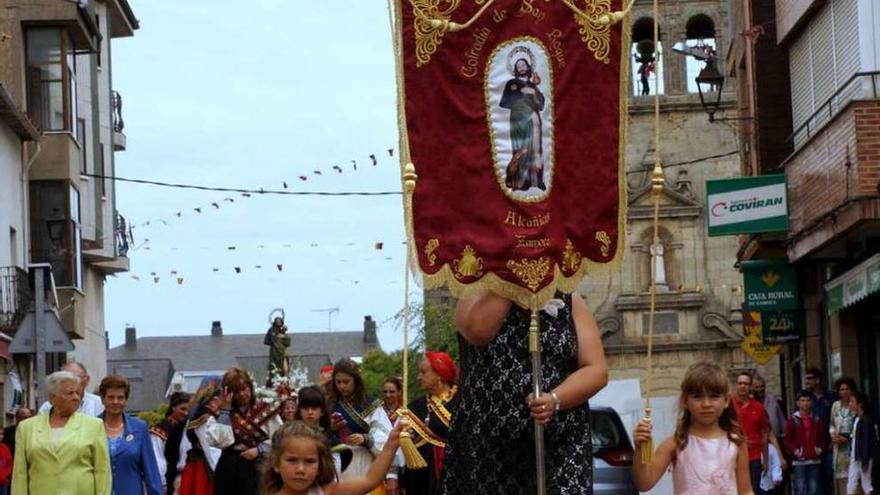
[(854, 285), (782, 327), (772, 299), (747, 205), (770, 285)]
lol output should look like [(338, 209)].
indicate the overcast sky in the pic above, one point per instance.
[(252, 94)]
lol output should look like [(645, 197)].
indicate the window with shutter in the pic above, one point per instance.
[(821, 61), (846, 45), (822, 58), (801, 81)]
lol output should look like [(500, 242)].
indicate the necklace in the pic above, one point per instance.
[(114, 429)]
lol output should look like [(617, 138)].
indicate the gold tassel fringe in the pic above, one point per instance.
[(411, 455)]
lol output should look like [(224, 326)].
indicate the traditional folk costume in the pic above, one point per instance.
[(356, 421), (201, 458), (166, 437), (236, 432), (429, 418), (381, 422)]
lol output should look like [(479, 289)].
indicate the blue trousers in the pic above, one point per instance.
[(806, 479), (755, 471)]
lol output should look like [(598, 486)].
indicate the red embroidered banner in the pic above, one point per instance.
[(514, 126)]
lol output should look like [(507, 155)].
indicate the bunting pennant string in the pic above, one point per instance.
[(177, 278), (285, 185), (147, 245)]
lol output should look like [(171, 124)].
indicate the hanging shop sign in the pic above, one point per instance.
[(753, 343), (770, 285), (771, 293), (854, 285), (782, 327), (747, 205)]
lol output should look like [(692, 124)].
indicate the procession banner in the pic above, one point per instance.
[(514, 119)]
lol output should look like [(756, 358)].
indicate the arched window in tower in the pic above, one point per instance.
[(700, 40), (644, 64)]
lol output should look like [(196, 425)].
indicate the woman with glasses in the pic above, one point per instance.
[(382, 421)]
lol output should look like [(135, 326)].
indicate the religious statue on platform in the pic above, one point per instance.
[(659, 267), (278, 341)]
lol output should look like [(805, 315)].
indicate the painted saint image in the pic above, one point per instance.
[(519, 92), (522, 96)]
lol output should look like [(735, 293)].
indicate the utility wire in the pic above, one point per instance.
[(344, 193), (688, 162), (244, 191)]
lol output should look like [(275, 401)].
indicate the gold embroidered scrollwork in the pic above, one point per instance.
[(469, 265), (430, 247), (603, 238), (595, 34), (531, 272), (571, 259), (431, 22)]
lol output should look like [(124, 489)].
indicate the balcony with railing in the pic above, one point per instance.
[(833, 184), (15, 297), (123, 239), (118, 123)]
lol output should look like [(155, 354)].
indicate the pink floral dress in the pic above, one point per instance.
[(706, 466)]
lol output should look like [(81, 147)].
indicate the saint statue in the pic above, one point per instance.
[(278, 341), (659, 266)]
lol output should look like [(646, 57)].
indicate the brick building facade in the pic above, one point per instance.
[(827, 76)]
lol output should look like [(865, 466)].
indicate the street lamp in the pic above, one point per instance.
[(709, 84), (56, 231)]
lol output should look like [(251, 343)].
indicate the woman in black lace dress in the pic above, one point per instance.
[(491, 440)]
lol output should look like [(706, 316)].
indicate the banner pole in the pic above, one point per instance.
[(535, 350), (657, 180)]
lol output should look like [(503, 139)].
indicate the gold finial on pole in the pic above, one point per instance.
[(445, 25), (611, 18), (606, 19), (409, 178)]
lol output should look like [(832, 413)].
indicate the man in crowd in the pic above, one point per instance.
[(770, 403), (776, 419), (91, 404), (21, 414), (753, 418), (821, 408)]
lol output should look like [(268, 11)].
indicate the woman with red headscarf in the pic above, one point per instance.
[(429, 417)]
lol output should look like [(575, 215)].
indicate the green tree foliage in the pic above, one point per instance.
[(155, 416), (432, 327)]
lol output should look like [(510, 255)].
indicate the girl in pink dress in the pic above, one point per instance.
[(299, 463), (708, 450)]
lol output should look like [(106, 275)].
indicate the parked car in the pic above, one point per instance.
[(612, 454)]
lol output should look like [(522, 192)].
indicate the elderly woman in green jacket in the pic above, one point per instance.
[(62, 452)]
